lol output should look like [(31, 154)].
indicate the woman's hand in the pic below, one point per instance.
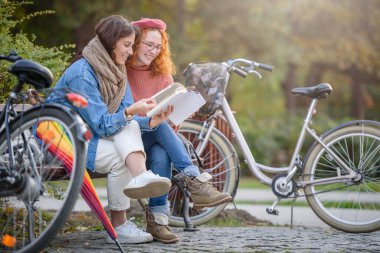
[(161, 117), (141, 107)]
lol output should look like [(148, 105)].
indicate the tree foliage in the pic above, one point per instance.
[(53, 57)]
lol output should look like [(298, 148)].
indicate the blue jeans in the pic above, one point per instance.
[(164, 147)]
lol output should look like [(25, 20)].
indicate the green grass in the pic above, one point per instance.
[(251, 183), (245, 182), (331, 204), (231, 222), (100, 182), (269, 202)]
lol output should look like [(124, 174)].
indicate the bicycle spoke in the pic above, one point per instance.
[(373, 154), (216, 166), (30, 225), (224, 172)]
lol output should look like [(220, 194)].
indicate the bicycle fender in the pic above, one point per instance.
[(347, 124), (80, 124)]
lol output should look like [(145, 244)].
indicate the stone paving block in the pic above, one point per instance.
[(230, 239)]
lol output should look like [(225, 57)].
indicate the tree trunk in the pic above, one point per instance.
[(315, 74), (287, 85), (180, 17), (83, 34), (357, 97)]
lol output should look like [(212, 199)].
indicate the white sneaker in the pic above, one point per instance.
[(147, 185), (130, 233)]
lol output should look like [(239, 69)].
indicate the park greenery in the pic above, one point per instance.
[(24, 44), (308, 42)]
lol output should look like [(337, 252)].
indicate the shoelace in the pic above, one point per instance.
[(207, 187), (132, 226)]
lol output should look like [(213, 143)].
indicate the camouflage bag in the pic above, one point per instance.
[(209, 79)]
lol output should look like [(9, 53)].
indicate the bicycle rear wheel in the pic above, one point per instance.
[(351, 205), (220, 160), (32, 215)]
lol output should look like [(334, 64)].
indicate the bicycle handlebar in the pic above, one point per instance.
[(265, 67), (243, 67), (12, 56), (252, 64), (239, 71)]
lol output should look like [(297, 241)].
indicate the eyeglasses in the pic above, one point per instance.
[(151, 46)]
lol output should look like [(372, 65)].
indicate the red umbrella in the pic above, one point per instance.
[(61, 146)]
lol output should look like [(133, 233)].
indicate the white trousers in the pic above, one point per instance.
[(110, 158)]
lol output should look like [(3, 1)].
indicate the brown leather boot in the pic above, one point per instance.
[(157, 226), (203, 193)]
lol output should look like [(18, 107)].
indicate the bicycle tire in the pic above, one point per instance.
[(225, 174), (347, 206), (53, 202)]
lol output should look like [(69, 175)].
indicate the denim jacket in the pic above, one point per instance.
[(81, 77)]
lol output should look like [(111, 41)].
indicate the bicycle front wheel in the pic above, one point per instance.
[(45, 150), (220, 160), (350, 205)]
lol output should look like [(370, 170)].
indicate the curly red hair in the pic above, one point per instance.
[(162, 64)]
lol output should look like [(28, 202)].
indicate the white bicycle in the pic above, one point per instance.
[(339, 174)]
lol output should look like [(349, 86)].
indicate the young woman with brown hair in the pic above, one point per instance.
[(116, 147)]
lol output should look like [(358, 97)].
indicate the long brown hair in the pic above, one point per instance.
[(109, 30), (162, 64)]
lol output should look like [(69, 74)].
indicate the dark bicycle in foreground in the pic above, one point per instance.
[(36, 142)]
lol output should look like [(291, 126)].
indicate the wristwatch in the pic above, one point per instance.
[(128, 117)]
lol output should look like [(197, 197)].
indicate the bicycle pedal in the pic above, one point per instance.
[(272, 211), (191, 229)]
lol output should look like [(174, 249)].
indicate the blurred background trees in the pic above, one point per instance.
[(12, 38), (308, 42)]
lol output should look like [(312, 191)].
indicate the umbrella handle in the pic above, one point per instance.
[(119, 246)]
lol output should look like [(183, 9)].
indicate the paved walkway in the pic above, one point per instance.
[(231, 239), (302, 216)]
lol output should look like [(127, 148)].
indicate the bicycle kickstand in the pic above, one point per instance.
[(272, 209), (189, 227)]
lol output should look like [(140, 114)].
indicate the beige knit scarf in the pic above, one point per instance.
[(112, 78)]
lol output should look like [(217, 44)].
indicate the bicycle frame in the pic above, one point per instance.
[(257, 169)]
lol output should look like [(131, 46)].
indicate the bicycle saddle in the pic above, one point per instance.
[(33, 73), (319, 91)]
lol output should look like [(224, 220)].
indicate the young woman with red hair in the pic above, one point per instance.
[(150, 70)]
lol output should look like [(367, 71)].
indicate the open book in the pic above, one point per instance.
[(185, 102)]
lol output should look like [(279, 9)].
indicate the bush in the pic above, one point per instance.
[(54, 58)]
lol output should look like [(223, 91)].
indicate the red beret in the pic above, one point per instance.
[(150, 23)]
